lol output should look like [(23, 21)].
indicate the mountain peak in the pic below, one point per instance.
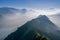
[(43, 17)]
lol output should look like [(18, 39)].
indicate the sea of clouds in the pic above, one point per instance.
[(10, 22)]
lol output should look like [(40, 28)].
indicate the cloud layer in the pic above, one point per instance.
[(10, 22)]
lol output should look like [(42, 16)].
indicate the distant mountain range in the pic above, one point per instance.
[(7, 10), (41, 24)]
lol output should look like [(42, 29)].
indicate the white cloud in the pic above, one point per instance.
[(47, 11)]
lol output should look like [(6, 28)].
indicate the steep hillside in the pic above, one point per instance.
[(41, 25)]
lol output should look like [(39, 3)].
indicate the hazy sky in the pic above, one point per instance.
[(30, 3)]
